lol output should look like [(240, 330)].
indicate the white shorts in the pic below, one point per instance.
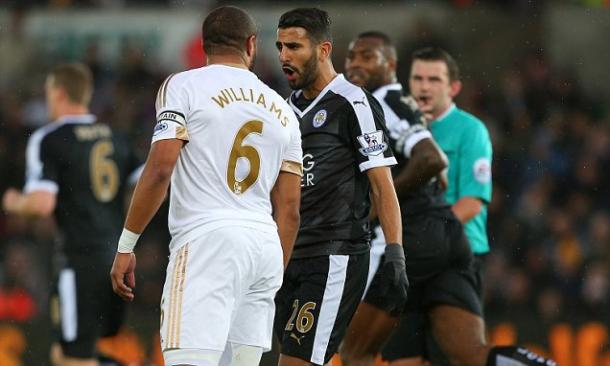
[(220, 288)]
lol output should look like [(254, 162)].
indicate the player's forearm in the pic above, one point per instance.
[(425, 163), (386, 203), (22, 206), (147, 198), (34, 205), (288, 227), (373, 212), (416, 174), (466, 208), (388, 212), (286, 201)]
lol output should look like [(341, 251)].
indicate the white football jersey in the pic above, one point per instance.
[(240, 134)]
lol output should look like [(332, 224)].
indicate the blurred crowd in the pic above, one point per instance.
[(549, 222), (550, 218)]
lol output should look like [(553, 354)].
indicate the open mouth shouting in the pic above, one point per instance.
[(424, 100), (290, 72)]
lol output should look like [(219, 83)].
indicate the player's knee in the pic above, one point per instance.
[(67, 361), (363, 360), (55, 355), (473, 354), (105, 360), (58, 358), (346, 357), (244, 355), (412, 361), (191, 357), (511, 355), (351, 357), (461, 361), (358, 348)]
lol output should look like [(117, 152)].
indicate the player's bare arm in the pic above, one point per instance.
[(386, 202), (426, 162), (388, 210), (147, 198), (286, 200), (373, 211), (32, 204), (466, 208)]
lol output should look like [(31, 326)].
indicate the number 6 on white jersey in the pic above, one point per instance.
[(244, 151)]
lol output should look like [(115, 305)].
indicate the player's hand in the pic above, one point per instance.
[(9, 200), (396, 283), (123, 276)]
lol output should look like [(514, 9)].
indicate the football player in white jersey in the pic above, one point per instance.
[(231, 148)]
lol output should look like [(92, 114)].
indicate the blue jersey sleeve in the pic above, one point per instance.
[(475, 164)]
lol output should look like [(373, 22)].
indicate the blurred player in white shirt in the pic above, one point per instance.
[(231, 148)]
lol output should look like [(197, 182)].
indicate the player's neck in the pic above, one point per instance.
[(227, 60), (387, 81), (442, 112), (326, 75), (72, 110)]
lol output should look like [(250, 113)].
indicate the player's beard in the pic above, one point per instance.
[(370, 81), (374, 81), (308, 74)]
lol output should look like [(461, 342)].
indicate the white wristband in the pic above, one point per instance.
[(127, 241)]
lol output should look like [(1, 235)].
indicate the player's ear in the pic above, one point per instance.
[(60, 93), (325, 49), (251, 45), (391, 64), (456, 87)]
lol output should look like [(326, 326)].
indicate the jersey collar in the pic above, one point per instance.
[(382, 91), (300, 113), (444, 115), (77, 118)]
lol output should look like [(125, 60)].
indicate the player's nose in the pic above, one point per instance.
[(284, 55), (424, 84)]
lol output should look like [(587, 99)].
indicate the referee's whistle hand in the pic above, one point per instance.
[(122, 275)]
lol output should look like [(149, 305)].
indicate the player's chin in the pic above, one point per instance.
[(294, 84), (357, 78), (427, 107), (358, 82)]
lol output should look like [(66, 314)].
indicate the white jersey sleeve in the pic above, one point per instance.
[(172, 110)]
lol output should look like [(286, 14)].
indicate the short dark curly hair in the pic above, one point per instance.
[(315, 21), (226, 29), (389, 50), (438, 54)]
